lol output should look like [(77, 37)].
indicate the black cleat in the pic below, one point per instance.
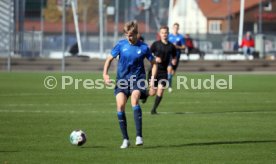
[(153, 112), (144, 97), (144, 100)]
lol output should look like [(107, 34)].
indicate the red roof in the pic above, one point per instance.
[(70, 27), (220, 9)]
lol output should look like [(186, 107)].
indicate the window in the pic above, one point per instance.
[(268, 6), (215, 27), (33, 9)]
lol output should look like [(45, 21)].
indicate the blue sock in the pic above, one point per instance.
[(138, 119), (170, 76), (123, 124)]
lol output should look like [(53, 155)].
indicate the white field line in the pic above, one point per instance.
[(114, 104), (54, 104), (72, 93), (113, 112), (42, 94), (48, 111)]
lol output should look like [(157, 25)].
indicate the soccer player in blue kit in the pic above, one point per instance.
[(179, 43), (131, 78)]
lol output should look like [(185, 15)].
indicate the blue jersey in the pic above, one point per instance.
[(177, 39), (131, 59)]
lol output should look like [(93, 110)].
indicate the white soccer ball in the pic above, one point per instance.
[(77, 137)]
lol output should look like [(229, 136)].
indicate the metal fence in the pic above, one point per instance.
[(38, 44), (38, 27)]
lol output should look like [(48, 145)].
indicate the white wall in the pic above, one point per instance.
[(189, 17)]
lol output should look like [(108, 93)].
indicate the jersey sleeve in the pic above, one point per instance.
[(182, 41), (153, 48), (116, 50)]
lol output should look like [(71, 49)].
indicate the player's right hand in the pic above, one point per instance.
[(106, 79), (158, 60), (174, 62)]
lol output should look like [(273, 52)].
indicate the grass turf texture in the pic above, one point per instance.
[(194, 126)]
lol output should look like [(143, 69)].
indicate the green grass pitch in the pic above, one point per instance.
[(194, 126)]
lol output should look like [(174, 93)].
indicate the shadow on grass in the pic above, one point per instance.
[(92, 147), (211, 144)]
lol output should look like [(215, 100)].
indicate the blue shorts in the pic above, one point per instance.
[(128, 88), (177, 62)]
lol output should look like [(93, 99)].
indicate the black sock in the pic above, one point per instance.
[(156, 103), (123, 124)]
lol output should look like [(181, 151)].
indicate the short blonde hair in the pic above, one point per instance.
[(131, 26)]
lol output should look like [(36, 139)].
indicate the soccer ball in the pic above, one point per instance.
[(77, 137)]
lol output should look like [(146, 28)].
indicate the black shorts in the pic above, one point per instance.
[(161, 78)]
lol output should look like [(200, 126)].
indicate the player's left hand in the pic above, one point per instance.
[(174, 62)]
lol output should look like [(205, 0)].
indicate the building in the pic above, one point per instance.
[(189, 16), (149, 19), (222, 16)]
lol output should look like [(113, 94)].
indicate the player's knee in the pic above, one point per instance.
[(152, 92), (120, 108), (135, 94), (160, 90)]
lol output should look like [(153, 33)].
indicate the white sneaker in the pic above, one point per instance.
[(170, 90), (139, 141), (125, 144)]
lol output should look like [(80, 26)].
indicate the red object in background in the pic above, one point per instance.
[(248, 42), (189, 42)]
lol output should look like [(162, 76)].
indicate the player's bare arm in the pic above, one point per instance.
[(152, 78), (154, 68), (106, 68), (182, 47)]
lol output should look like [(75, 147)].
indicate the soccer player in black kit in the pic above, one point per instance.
[(164, 52)]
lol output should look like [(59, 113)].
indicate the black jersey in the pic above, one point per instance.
[(165, 51)]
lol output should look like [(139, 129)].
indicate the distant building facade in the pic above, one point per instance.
[(222, 16)]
